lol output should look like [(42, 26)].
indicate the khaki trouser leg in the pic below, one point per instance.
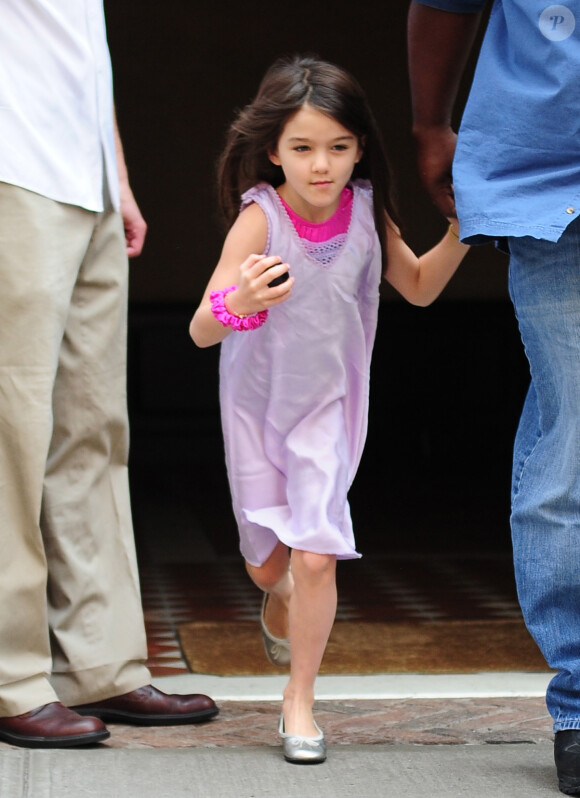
[(95, 612), (62, 337)]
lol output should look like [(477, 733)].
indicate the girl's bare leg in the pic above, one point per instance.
[(275, 578), (312, 612)]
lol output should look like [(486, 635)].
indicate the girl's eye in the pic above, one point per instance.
[(340, 147), (301, 148)]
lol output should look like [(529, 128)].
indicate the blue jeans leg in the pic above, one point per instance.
[(545, 290)]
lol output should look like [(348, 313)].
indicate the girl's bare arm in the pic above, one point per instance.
[(240, 265), (420, 280)]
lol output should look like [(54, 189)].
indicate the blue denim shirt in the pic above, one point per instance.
[(517, 166)]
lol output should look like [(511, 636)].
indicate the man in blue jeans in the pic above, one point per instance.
[(516, 181)]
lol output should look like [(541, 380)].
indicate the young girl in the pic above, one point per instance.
[(305, 161)]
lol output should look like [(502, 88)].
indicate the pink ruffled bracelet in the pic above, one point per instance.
[(227, 319)]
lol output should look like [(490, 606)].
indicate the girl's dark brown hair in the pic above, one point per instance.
[(286, 87)]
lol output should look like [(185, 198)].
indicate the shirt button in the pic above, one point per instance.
[(570, 210)]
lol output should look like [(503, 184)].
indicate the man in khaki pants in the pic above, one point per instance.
[(71, 622)]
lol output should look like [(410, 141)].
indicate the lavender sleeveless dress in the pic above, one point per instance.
[(294, 392)]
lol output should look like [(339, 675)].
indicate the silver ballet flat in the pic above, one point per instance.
[(302, 750), (277, 648)]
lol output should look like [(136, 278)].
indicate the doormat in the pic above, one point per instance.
[(228, 648)]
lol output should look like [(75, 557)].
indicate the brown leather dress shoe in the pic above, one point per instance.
[(148, 706), (52, 726)]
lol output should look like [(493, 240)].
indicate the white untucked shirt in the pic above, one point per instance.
[(56, 101)]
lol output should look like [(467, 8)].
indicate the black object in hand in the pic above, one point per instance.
[(277, 280)]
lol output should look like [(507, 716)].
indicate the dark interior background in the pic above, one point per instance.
[(448, 381)]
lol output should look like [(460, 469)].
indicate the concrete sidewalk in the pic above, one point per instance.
[(481, 735), (352, 771)]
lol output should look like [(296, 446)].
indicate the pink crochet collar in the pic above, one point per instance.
[(324, 231)]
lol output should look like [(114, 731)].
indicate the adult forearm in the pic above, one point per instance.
[(439, 43), (135, 225), (120, 154)]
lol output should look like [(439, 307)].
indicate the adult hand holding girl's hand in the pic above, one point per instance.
[(435, 151), (253, 293)]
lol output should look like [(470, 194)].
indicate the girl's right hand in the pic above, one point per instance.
[(253, 293)]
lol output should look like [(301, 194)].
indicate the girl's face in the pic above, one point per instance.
[(317, 156)]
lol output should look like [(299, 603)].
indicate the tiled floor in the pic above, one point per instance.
[(435, 549), (396, 587)]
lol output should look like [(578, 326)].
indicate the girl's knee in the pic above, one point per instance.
[(312, 564), (262, 576), (269, 574)]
